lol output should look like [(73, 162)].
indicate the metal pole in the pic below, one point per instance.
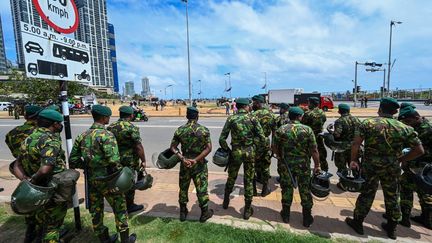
[(355, 85), (389, 60), (68, 135), (229, 78), (384, 83), (188, 51)]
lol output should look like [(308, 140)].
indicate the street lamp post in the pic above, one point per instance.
[(229, 83), (200, 91), (392, 23), (355, 85), (188, 52), (384, 78)]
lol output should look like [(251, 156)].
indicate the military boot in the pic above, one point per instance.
[(205, 214), (390, 228), (248, 210), (307, 217), (30, 233), (265, 190), (134, 208), (285, 213), (405, 220), (106, 238), (226, 200), (356, 224), (183, 212), (126, 238), (424, 219)]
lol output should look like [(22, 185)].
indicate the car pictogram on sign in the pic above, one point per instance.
[(34, 47)]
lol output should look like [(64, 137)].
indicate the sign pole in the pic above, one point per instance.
[(68, 133)]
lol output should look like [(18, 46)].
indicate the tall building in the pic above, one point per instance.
[(3, 61), (93, 29), (129, 88), (145, 87), (113, 54), (24, 10)]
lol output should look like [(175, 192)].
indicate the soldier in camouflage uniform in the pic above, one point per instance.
[(195, 146), (283, 117), (96, 152), (41, 156), (384, 138), (267, 121), (244, 129), (130, 148), (294, 145), (315, 118), (344, 131), (424, 129)]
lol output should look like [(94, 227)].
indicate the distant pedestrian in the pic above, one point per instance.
[(227, 108), (362, 102), (365, 102), (16, 112), (234, 108), (10, 110)]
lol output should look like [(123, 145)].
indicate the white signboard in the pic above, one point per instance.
[(49, 55), (61, 15)]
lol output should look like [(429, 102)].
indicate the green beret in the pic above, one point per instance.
[(390, 102), (296, 111), (258, 98), (407, 112), (32, 110), (242, 101), (284, 106), (344, 107), (407, 104), (191, 110), (101, 110), (53, 107), (51, 115), (314, 100), (127, 110)]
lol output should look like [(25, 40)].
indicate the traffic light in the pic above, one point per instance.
[(373, 64), (358, 89)]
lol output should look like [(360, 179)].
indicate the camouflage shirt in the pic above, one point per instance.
[(345, 127), (96, 150), (244, 128), (282, 120), (315, 119), (295, 141), (266, 119), (16, 136), (41, 148), (424, 131), (127, 136), (193, 139), (386, 137)]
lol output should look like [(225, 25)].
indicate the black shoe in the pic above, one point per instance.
[(285, 214), (134, 208), (390, 228), (183, 212), (356, 225), (405, 221), (106, 238), (307, 218), (248, 211), (126, 238), (206, 214), (226, 200), (265, 190), (421, 219)]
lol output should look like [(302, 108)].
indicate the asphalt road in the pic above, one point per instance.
[(156, 135)]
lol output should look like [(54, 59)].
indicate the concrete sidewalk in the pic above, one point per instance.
[(162, 201)]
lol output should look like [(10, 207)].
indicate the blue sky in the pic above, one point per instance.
[(310, 44)]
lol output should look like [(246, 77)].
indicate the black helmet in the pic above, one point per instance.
[(320, 184), (221, 157), (349, 181), (145, 183), (331, 143), (423, 179)]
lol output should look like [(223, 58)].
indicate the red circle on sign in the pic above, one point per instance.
[(52, 24)]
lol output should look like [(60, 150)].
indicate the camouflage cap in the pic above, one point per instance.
[(258, 98), (284, 106), (407, 112), (407, 104), (51, 115), (390, 103), (126, 109), (314, 100), (191, 110), (243, 101), (101, 110), (32, 110), (344, 107), (296, 111), (53, 107)]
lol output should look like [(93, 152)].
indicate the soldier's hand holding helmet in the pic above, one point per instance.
[(354, 165)]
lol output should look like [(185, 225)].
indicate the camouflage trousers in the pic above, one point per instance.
[(246, 156), (408, 187), (50, 220), (117, 202), (322, 152), (302, 174), (389, 177), (130, 195), (342, 160), (263, 162), (199, 175)]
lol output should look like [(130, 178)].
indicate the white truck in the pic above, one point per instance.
[(278, 96)]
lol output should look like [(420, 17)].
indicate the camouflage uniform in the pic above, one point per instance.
[(315, 119), (41, 148), (193, 139), (344, 130), (384, 139), (282, 120), (408, 185), (16, 136), (97, 153), (244, 129), (295, 141), (127, 136), (263, 156)]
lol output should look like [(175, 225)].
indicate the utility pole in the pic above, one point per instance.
[(188, 53), (355, 85), (392, 23)]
